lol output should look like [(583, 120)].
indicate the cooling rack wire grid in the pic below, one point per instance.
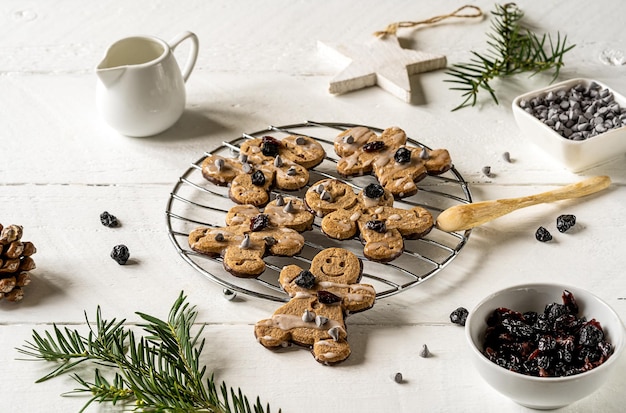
[(196, 202)]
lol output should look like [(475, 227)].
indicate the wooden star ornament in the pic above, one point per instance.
[(381, 61)]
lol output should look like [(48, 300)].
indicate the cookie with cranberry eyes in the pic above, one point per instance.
[(250, 235), (397, 166), (264, 163), (370, 214), (321, 297)]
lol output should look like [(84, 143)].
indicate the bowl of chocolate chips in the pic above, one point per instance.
[(545, 345), (579, 122)]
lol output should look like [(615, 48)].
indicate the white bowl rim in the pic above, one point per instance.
[(611, 360)]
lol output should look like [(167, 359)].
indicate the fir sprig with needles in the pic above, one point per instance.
[(512, 50), (158, 372)]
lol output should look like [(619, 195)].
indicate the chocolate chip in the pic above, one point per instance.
[(245, 243), (326, 196), (308, 316), (270, 241), (334, 333), (289, 208), (278, 162), (229, 294), (280, 201), (398, 378), (219, 164), (320, 320)]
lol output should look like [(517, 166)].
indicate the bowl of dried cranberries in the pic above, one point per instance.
[(545, 345)]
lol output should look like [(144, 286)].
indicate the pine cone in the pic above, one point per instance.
[(15, 262)]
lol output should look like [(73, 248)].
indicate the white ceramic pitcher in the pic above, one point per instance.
[(141, 90)]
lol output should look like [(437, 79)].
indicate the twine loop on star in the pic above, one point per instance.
[(393, 27)]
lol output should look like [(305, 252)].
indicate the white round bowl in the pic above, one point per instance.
[(575, 155), (543, 392)]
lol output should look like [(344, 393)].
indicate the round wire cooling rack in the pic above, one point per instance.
[(195, 202)]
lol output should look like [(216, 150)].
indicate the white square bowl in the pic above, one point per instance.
[(575, 155)]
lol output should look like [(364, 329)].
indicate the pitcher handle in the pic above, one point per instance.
[(193, 51)]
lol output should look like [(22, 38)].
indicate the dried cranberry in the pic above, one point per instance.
[(305, 279), (554, 311), (565, 222), (326, 297), (518, 328), (402, 155), (570, 302), (374, 146), (376, 225), (108, 220), (120, 254), (508, 361), (606, 348), (530, 317), (567, 323), (589, 355), (591, 334), (270, 146), (564, 355), (543, 234), (542, 324), (530, 367), (374, 191), (459, 316), (259, 222), (566, 342), (258, 178), (546, 343)]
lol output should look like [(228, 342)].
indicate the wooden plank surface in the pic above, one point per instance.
[(259, 65)]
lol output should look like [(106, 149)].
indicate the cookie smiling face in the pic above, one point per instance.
[(335, 265)]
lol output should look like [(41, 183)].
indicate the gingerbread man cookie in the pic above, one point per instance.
[(250, 235), (370, 213), (321, 298), (264, 163), (397, 166)]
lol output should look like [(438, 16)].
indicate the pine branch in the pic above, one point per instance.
[(511, 50), (158, 372)]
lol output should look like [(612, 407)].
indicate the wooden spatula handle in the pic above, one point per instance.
[(466, 216)]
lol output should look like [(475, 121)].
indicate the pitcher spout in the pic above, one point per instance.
[(108, 76)]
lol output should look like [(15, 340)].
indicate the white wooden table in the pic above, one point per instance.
[(258, 65)]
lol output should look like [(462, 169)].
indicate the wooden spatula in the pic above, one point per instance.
[(466, 216)]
